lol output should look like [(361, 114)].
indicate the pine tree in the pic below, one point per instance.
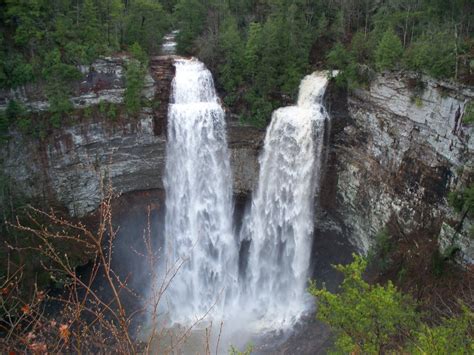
[(389, 51)]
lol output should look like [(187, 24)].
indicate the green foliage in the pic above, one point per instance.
[(379, 255), (14, 110), (135, 79), (366, 318), (4, 125), (16, 114), (231, 47), (453, 336), (376, 319), (190, 18), (433, 55), (468, 117), (340, 58), (248, 350), (112, 112), (389, 51), (146, 24), (463, 201), (39, 40), (58, 76)]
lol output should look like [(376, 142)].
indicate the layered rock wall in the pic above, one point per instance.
[(401, 149), (69, 167)]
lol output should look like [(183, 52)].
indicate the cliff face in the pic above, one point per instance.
[(69, 167), (395, 154), (396, 149)]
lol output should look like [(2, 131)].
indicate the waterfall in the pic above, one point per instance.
[(198, 187), (269, 290), (279, 225)]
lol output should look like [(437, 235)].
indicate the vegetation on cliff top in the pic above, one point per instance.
[(46, 42), (260, 50)]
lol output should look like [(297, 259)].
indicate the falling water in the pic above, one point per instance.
[(269, 290), (198, 188), (279, 225)]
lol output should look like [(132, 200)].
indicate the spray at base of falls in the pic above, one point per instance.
[(269, 292)]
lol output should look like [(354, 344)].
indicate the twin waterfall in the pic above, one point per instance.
[(277, 227), (198, 188)]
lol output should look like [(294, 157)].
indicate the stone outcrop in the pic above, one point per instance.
[(397, 149), (68, 168), (245, 143)]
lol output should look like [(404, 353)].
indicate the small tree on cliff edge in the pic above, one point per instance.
[(389, 51)]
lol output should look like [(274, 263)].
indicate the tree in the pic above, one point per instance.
[(230, 47), (366, 318), (433, 54), (389, 51), (136, 70), (252, 50), (146, 24), (190, 17), (91, 35)]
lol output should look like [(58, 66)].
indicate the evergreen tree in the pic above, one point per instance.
[(146, 24), (389, 51), (231, 47)]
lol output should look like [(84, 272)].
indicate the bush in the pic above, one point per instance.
[(468, 117), (463, 200), (451, 337), (366, 318), (376, 319)]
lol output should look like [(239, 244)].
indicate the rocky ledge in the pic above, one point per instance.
[(397, 149)]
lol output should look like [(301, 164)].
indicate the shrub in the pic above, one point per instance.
[(452, 336), (379, 254), (366, 318), (463, 200), (468, 117)]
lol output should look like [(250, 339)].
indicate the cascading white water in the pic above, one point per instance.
[(198, 188), (279, 225), (270, 292)]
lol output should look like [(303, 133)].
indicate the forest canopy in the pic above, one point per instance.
[(258, 50)]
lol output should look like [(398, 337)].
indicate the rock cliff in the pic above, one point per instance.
[(68, 167), (397, 149)]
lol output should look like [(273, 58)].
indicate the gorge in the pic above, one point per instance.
[(387, 156)]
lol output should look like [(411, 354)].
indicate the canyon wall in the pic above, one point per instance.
[(397, 149), (69, 166)]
